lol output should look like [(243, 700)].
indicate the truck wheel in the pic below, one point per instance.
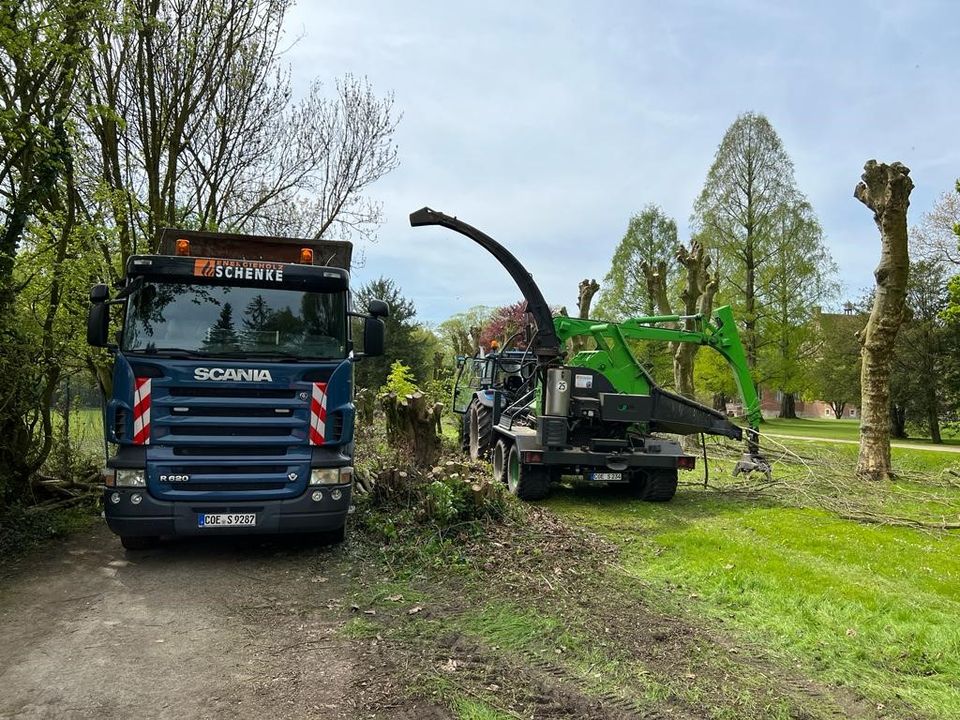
[(138, 542), (501, 452), (654, 485), (527, 482), (481, 430)]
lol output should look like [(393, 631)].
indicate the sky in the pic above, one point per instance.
[(548, 124)]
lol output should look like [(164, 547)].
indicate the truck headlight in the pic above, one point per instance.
[(331, 476), (131, 478)]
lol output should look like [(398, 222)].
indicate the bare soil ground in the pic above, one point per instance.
[(251, 628), (224, 628)]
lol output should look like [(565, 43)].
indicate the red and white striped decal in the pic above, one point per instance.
[(141, 412), (318, 414)]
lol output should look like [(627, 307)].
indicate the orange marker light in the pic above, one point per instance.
[(306, 256), (183, 247)]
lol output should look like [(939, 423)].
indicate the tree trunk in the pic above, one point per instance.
[(588, 288), (885, 189), (838, 409), (788, 405), (720, 402), (933, 423), (898, 421), (413, 426)]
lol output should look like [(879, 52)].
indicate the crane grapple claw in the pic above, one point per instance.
[(753, 463)]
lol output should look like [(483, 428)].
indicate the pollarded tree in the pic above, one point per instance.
[(739, 209), (885, 189), (651, 238)]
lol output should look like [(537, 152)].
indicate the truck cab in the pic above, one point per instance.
[(231, 407)]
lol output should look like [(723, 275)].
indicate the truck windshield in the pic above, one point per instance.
[(232, 320)]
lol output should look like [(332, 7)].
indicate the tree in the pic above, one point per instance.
[(739, 212), (651, 238), (935, 237), (507, 325), (460, 333), (796, 281), (192, 123), (401, 339), (885, 189), (836, 368), (925, 348)]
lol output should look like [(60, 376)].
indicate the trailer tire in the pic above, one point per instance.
[(138, 542), (501, 452), (654, 485), (527, 482), (481, 430)]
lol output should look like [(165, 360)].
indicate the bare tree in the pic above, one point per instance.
[(196, 125), (885, 189), (934, 237)]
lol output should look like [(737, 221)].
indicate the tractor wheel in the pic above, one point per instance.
[(481, 430), (501, 451), (527, 482), (654, 485)]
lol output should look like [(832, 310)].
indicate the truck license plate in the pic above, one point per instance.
[(227, 520), (606, 477)]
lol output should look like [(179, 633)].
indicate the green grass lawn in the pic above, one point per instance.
[(833, 430), (867, 606)]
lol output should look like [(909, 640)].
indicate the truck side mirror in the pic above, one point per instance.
[(98, 324), (378, 309), (373, 340)]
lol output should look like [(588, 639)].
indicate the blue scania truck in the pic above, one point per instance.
[(231, 406)]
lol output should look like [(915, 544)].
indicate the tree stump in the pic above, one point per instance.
[(413, 426), (885, 189), (364, 400)]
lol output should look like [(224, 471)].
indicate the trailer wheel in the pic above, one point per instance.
[(654, 485), (527, 482), (138, 542), (501, 452), (481, 430)]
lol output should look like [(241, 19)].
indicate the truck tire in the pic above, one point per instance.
[(501, 452), (138, 542), (527, 482), (481, 430), (654, 485)]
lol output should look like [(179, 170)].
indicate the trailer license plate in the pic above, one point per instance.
[(606, 477), (227, 520)]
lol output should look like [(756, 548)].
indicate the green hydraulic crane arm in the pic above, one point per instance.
[(719, 333)]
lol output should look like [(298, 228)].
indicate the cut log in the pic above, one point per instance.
[(413, 426)]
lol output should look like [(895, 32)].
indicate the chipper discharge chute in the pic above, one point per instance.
[(595, 414)]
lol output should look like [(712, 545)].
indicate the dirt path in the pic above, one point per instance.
[(207, 629), (840, 441)]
